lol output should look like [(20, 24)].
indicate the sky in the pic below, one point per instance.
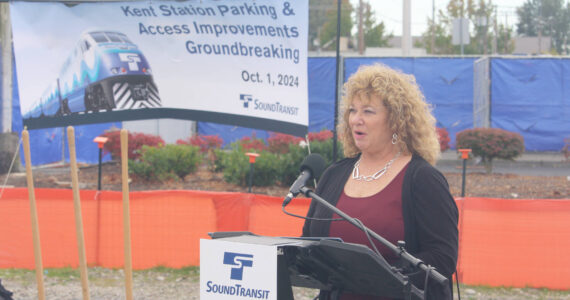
[(390, 12)]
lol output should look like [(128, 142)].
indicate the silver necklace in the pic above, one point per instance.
[(356, 173)]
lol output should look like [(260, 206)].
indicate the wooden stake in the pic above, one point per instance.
[(77, 210), (34, 214), (126, 214)]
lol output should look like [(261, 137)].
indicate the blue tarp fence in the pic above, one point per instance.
[(530, 96)]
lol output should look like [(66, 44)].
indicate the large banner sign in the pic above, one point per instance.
[(226, 61)]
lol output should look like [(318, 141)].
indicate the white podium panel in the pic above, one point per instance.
[(233, 270)]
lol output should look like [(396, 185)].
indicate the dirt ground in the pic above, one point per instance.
[(477, 184)]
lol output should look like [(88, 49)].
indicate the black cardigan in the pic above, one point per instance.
[(429, 212)]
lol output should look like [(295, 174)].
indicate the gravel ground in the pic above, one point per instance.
[(162, 283), (109, 284)]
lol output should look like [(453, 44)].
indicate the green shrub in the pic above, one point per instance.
[(142, 169), (276, 165), (236, 167), (325, 148), (234, 163), (491, 143), (216, 159), (290, 163), (169, 161), (266, 169)]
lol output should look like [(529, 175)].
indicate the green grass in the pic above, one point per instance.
[(476, 292), (170, 273), (68, 273), (114, 277)]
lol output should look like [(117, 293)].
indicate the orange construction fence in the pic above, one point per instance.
[(503, 242)]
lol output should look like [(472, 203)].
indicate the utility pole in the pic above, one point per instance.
[(495, 30), (485, 35), (360, 29), (406, 29), (461, 29), (506, 33), (6, 40), (432, 26), (486, 28), (540, 29)]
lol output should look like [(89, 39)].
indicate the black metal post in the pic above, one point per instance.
[(99, 175), (338, 10), (250, 177)]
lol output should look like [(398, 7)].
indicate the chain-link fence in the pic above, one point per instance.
[(481, 93)]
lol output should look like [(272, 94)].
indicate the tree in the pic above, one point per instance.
[(483, 14), (322, 22), (328, 30), (374, 34), (545, 18), (480, 14), (318, 11), (441, 36), (505, 43)]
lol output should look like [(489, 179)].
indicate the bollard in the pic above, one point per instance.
[(464, 156), (252, 157), (100, 140)]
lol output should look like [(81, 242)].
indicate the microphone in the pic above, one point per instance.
[(312, 167)]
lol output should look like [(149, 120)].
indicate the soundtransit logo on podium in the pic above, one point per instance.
[(239, 260), (237, 270)]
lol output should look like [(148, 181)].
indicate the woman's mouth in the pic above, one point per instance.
[(358, 134)]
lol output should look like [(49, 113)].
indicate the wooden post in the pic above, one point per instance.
[(34, 214), (77, 210), (126, 214)]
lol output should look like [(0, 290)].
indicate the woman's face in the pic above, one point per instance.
[(368, 121)]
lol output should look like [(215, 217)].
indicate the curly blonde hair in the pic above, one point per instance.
[(409, 115)]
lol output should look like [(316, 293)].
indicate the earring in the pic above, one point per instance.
[(394, 138)]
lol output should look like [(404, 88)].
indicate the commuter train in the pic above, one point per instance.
[(105, 71)]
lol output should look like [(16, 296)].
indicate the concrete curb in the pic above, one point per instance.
[(531, 163)]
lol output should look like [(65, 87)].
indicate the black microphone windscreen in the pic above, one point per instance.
[(315, 163)]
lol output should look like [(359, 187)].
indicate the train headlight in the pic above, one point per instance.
[(118, 70), (147, 71)]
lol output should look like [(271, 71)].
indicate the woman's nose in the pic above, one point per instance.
[(356, 118)]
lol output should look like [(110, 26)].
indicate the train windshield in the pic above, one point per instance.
[(110, 37)]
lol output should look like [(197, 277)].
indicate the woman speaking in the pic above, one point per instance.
[(387, 179)]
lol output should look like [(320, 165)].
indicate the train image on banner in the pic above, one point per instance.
[(105, 71)]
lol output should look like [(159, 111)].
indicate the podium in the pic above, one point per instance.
[(319, 263)]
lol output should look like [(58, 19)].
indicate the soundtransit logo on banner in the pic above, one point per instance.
[(239, 261), (274, 107)]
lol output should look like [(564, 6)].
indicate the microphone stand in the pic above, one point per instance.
[(400, 251)]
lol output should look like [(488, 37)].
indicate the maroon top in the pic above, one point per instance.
[(381, 212)]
